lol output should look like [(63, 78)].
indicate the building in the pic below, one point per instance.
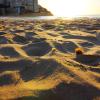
[(18, 6)]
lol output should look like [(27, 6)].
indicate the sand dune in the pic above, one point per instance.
[(38, 60)]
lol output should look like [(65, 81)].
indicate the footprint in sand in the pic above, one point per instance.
[(9, 78), (9, 51), (37, 49), (98, 36), (86, 44), (29, 35), (2, 33), (66, 47), (3, 40), (20, 39), (48, 26), (30, 27)]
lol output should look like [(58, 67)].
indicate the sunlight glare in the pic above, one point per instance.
[(70, 8)]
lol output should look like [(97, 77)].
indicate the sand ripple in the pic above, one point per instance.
[(38, 60)]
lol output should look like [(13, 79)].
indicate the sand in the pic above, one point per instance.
[(38, 60)]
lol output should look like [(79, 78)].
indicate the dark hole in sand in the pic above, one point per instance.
[(29, 27), (6, 79), (20, 39), (30, 35), (88, 38), (87, 44), (43, 68), (37, 49), (3, 40), (17, 31), (64, 91), (8, 51), (2, 33), (74, 91), (48, 26), (14, 65), (66, 47)]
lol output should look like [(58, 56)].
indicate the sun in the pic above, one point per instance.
[(68, 8)]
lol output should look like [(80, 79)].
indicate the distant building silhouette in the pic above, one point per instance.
[(18, 6)]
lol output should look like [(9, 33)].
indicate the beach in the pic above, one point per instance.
[(38, 59)]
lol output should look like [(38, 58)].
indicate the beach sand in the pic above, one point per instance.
[(38, 60)]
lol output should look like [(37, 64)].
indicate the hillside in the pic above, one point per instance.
[(42, 12)]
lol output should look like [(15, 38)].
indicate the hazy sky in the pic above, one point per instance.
[(72, 7)]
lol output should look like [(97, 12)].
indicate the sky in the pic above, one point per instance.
[(72, 8)]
